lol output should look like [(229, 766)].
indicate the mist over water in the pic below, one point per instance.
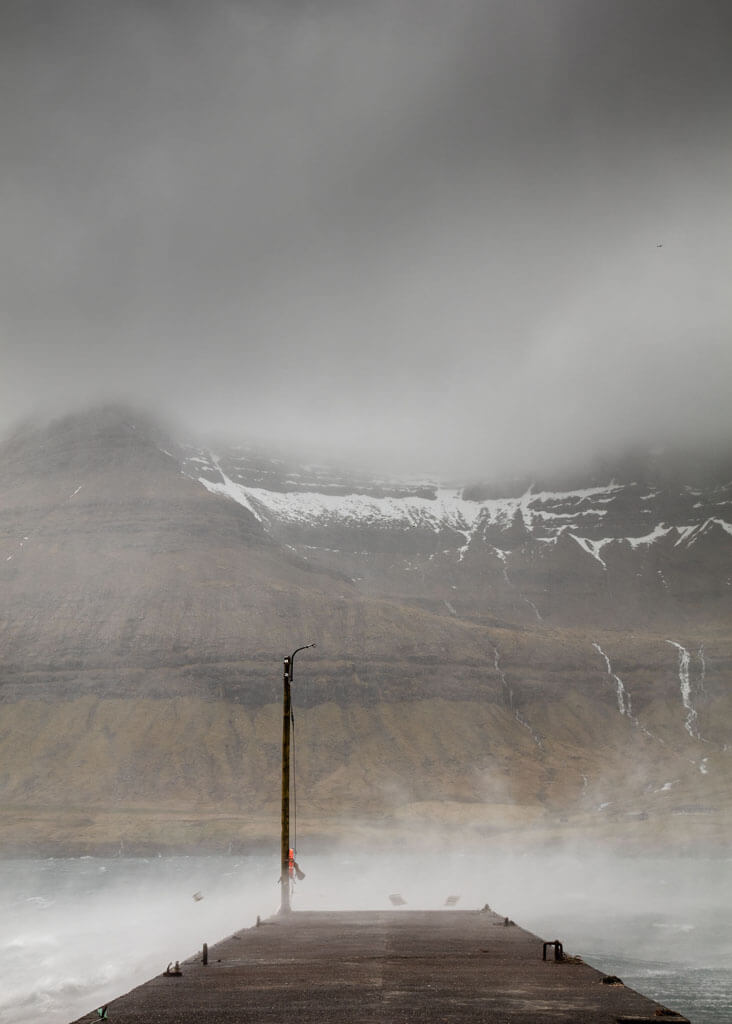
[(75, 934)]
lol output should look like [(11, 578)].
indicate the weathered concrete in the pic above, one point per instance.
[(392, 966)]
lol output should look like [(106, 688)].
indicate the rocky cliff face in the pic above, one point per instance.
[(549, 657)]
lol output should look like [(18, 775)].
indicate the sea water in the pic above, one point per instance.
[(76, 933)]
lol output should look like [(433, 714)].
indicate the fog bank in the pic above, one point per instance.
[(467, 238)]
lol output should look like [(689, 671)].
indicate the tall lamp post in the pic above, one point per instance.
[(286, 719)]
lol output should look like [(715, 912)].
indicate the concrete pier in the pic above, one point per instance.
[(356, 967)]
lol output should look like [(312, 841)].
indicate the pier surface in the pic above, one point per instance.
[(445, 966)]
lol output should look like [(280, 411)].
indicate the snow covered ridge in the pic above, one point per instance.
[(447, 508), (594, 517)]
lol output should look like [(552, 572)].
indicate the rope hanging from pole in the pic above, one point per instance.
[(294, 869), (294, 786)]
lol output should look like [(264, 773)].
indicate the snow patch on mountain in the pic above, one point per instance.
[(691, 534), (319, 498), (727, 527), (657, 533), (593, 547), (231, 490), (447, 509)]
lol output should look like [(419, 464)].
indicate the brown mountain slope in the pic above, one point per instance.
[(93, 774), (143, 621), (122, 576)]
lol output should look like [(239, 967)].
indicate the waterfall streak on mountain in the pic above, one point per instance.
[(685, 681), (503, 556), (507, 688), (533, 607), (535, 736), (622, 694)]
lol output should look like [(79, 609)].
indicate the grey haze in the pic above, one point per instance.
[(457, 237)]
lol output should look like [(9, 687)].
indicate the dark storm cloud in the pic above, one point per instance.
[(421, 232)]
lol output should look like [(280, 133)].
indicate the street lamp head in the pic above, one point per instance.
[(304, 648)]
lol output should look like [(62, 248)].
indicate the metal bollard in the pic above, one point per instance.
[(204, 958), (558, 950)]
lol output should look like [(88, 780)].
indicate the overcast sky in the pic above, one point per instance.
[(455, 236)]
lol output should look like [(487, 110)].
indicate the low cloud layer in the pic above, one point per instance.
[(457, 238)]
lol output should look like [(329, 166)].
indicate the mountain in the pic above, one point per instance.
[(638, 546), (532, 661)]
